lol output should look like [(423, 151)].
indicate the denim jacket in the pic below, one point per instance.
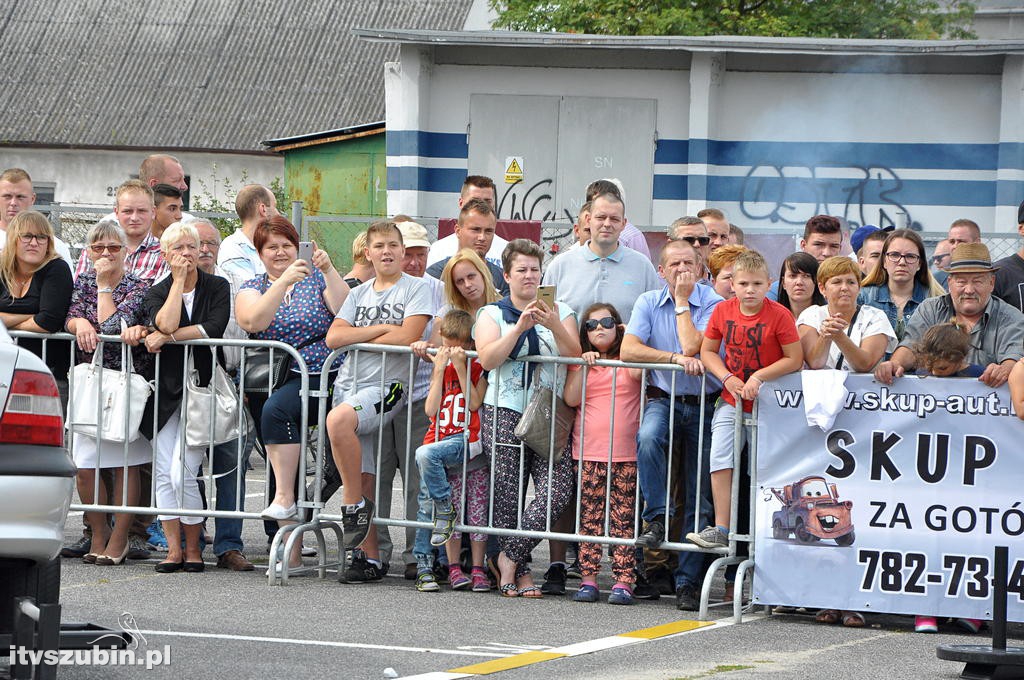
[(878, 296)]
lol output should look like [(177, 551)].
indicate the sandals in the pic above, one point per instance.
[(853, 619), (509, 590), (531, 593), (828, 616)]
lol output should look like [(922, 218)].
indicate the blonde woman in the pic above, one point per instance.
[(187, 305), (35, 288)]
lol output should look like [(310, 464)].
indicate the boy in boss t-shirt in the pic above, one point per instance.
[(451, 445), (761, 344)]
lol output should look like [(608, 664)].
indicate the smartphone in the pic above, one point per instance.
[(306, 252), (546, 294)]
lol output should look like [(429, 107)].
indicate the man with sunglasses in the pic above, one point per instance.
[(693, 231), (996, 329), (135, 210), (1010, 276), (17, 195), (667, 327), (602, 269)]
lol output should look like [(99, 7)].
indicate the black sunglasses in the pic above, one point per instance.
[(606, 322), (694, 240)]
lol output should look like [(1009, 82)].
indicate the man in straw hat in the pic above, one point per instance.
[(996, 328)]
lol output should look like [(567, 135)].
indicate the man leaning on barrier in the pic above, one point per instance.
[(667, 326), (393, 308), (996, 328)]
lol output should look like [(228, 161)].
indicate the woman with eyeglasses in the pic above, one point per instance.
[(900, 280), (107, 300), (35, 290)]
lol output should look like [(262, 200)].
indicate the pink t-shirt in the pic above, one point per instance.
[(598, 412)]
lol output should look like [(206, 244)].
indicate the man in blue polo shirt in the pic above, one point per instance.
[(667, 327), (602, 269)]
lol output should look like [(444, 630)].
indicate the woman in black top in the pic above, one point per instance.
[(187, 305), (35, 288)]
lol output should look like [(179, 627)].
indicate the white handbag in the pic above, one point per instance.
[(211, 412), (117, 397)]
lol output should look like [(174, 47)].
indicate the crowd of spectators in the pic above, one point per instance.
[(157, 276)]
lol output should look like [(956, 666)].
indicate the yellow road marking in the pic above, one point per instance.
[(664, 629), (508, 663)]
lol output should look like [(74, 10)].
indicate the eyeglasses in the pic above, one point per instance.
[(694, 240), (113, 249), (29, 238), (606, 322), (939, 259), (910, 258), (209, 244)]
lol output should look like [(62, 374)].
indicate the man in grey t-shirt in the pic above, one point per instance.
[(393, 308)]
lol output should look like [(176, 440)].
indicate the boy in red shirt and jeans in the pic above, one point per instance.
[(761, 344), (450, 443)]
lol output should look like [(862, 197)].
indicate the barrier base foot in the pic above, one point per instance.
[(985, 663)]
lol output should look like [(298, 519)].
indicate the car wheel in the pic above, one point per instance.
[(846, 540), (40, 581), (801, 532), (779, 533)]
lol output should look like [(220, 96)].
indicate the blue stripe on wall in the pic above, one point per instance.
[(921, 156), (672, 151), (445, 180), (839, 192), (427, 144), (670, 188)]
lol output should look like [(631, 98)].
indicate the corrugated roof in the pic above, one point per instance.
[(713, 43), (196, 74)]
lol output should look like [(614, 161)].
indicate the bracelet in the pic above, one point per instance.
[(105, 290), (172, 337), (725, 378), (672, 359), (757, 379)]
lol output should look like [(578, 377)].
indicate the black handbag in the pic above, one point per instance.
[(263, 375)]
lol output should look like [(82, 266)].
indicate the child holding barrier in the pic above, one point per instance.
[(450, 438), (942, 352), (761, 344), (608, 449)]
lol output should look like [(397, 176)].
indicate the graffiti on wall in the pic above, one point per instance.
[(534, 202), (793, 194)]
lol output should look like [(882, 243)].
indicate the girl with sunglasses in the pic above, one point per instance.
[(606, 454)]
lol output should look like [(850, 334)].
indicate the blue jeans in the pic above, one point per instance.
[(433, 461), (229, 473), (652, 470)]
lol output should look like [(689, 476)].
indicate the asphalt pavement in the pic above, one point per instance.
[(222, 624)]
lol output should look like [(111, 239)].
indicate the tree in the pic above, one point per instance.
[(886, 19)]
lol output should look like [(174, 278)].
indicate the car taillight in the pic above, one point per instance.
[(33, 413)]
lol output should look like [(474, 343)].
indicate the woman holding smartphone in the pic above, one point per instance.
[(295, 303)]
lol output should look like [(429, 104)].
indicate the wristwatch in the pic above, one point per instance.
[(682, 309), (111, 290)]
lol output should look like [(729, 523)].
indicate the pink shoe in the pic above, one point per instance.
[(925, 624), (480, 582), (972, 626)]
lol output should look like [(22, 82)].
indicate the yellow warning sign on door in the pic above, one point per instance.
[(513, 169)]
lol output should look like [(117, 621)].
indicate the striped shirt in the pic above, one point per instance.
[(146, 261)]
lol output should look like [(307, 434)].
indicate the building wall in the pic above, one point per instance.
[(772, 139), (336, 179), (90, 177)]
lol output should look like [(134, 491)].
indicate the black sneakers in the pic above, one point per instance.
[(356, 523), (686, 599), (361, 570), (554, 580), (652, 536)]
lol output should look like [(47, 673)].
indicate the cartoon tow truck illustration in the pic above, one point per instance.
[(811, 511)]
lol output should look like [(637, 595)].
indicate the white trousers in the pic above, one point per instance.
[(175, 484)]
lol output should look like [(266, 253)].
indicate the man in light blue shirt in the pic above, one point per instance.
[(602, 269), (667, 327)]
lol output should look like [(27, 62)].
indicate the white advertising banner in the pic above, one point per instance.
[(897, 506)]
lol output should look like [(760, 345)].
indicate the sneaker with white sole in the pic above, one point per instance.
[(355, 522), (279, 512), (425, 582), (445, 516), (710, 537)]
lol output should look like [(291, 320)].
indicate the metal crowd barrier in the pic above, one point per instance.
[(317, 519)]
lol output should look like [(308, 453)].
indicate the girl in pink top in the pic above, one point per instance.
[(606, 444)]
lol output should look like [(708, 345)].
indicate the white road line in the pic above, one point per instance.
[(319, 643)]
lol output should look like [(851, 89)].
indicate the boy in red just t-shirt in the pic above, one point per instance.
[(451, 445), (761, 344)]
